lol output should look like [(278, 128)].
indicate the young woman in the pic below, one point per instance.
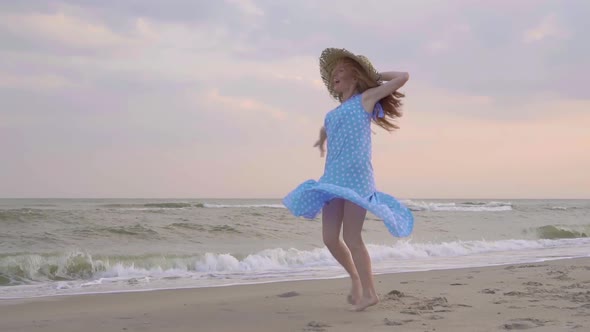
[(347, 189)]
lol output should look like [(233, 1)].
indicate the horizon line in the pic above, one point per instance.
[(280, 198)]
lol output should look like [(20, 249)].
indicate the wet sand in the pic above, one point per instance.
[(546, 296)]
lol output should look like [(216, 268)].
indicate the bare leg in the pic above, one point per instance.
[(353, 220), (332, 215)]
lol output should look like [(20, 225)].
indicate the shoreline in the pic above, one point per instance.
[(341, 276), (548, 296)]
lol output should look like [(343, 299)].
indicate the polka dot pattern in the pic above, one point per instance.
[(348, 172)]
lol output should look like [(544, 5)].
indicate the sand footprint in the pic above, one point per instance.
[(489, 291), (523, 324), (394, 295), (289, 294), (315, 326), (390, 322)]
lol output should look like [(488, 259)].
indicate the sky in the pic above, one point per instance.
[(223, 99)]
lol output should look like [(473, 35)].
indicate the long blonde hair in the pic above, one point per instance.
[(391, 104)]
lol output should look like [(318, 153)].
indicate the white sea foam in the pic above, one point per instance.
[(217, 269), (413, 205), (560, 208), (461, 207), (76, 265)]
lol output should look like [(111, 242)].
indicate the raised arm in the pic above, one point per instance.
[(394, 81), (391, 75)]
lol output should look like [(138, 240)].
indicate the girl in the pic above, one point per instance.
[(346, 190)]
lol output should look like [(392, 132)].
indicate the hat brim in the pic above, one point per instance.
[(329, 59)]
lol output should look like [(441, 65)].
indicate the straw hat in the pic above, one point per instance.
[(330, 57)]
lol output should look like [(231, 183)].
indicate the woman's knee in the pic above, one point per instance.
[(353, 241), (331, 240)]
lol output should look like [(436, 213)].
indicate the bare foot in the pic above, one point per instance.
[(365, 302), (356, 293)]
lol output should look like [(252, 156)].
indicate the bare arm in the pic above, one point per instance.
[(320, 142), (395, 80), (390, 75)]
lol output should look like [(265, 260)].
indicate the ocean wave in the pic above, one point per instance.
[(20, 214), (560, 232), (277, 206), (157, 205), (562, 208), (225, 229), (180, 205), (461, 207), (21, 269), (18, 269), (168, 205), (136, 230), (131, 230), (466, 206)]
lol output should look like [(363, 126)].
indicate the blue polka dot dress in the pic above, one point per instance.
[(348, 172)]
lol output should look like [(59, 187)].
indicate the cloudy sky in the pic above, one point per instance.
[(201, 99)]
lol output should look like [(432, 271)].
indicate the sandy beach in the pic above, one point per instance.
[(545, 296)]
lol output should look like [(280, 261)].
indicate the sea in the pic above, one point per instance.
[(54, 247)]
